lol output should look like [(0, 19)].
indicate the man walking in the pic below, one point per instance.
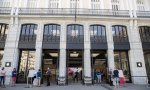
[(48, 74)]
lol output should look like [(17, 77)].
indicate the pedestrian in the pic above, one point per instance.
[(39, 76), (48, 74), (95, 76), (76, 76), (116, 78), (99, 77), (14, 75), (3, 73), (110, 74), (0, 77), (121, 78)]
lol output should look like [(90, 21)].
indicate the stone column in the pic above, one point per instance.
[(87, 56), (136, 55), (110, 51), (38, 53), (62, 57), (11, 48)]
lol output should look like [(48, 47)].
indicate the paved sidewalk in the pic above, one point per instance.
[(79, 87)]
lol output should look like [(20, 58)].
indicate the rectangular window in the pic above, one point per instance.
[(140, 5), (53, 4), (95, 4), (32, 3)]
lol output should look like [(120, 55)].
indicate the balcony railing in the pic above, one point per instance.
[(120, 39), (68, 11), (50, 38), (5, 11), (143, 14), (75, 39), (145, 39), (98, 39), (3, 38), (27, 38)]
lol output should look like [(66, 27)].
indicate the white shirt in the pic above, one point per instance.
[(3, 72)]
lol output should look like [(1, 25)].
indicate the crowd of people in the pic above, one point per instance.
[(35, 77), (116, 77)]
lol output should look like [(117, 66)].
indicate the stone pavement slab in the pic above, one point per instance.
[(79, 87)]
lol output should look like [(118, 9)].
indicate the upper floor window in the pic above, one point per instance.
[(75, 33), (32, 3), (115, 5), (98, 33), (74, 29), (3, 29), (28, 32), (95, 4), (5, 3), (75, 4), (53, 4), (28, 29), (97, 30), (52, 29), (144, 33), (140, 5), (119, 33)]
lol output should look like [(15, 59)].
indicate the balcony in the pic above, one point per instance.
[(27, 38), (3, 38), (50, 38), (143, 14), (119, 39), (75, 39), (5, 11), (72, 12)]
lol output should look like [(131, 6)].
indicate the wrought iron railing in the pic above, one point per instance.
[(120, 39), (75, 39), (5, 11), (145, 39), (3, 38), (50, 38), (69, 11), (98, 39), (27, 38), (143, 13)]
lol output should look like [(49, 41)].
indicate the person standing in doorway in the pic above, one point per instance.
[(99, 77), (14, 75), (3, 73), (39, 76), (48, 74)]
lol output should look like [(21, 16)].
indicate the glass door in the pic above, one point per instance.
[(26, 62)]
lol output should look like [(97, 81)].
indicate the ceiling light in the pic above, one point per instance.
[(95, 54), (74, 54), (54, 54)]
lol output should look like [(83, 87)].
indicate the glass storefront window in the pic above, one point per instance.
[(1, 56), (26, 62), (147, 63), (122, 63)]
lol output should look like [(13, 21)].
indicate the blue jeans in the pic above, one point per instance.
[(2, 80)]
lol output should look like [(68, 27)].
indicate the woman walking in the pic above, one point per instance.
[(39, 75)]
